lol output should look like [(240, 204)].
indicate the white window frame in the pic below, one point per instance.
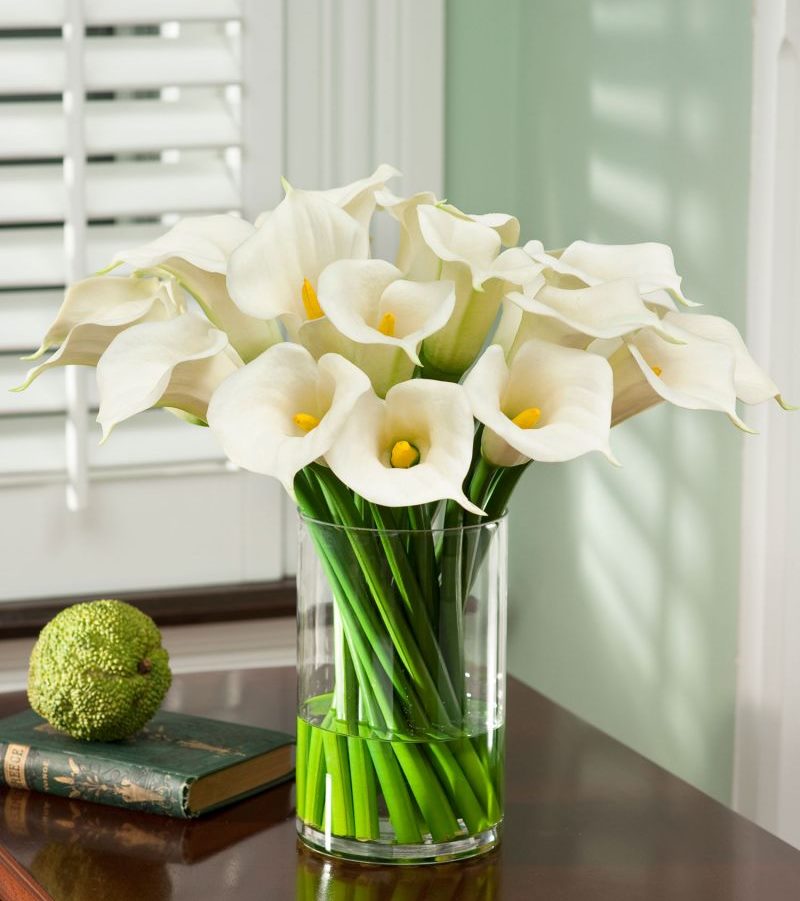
[(767, 744), (349, 85)]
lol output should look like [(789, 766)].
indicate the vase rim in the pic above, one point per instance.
[(487, 523)]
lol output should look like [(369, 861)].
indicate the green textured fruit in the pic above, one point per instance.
[(98, 671)]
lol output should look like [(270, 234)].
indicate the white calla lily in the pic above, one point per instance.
[(470, 256), (274, 273), (383, 316), (696, 374), (358, 198), (178, 363), (752, 384), (573, 316), (414, 258), (506, 225), (455, 239), (414, 447), (551, 404), (196, 252), (205, 242), (95, 310), (651, 265), (284, 410)]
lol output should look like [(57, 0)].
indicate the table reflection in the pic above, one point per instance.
[(325, 879)]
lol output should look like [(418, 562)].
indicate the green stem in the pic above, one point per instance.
[(314, 805), (451, 624), (423, 551), (424, 690), (427, 791), (502, 489), (339, 788), (459, 791), (395, 792), (362, 625), (301, 765), (478, 778), (411, 594), (365, 794)]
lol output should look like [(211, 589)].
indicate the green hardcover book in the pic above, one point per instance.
[(178, 765)]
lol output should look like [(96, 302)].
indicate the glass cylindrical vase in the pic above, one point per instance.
[(401, 690)]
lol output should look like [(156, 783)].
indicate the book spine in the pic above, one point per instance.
[(84, 777)]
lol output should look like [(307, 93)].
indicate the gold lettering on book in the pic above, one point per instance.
[(14, 766)]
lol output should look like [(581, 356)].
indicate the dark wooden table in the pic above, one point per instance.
[(586, 818)]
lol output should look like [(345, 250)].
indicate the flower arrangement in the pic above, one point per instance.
[(399, 398)]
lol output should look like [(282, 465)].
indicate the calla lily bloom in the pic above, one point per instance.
[(196, 251), (471, 257), (551, 404), (506, 226), (651, 265), (358, 198), (95, 310), (178, 363), (384, 316), (284, 410), (573, 316), (752, 384), (412, 448), (414, 258), (274, 273), (696, 374)]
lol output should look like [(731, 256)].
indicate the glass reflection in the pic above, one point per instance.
[(324, 879)]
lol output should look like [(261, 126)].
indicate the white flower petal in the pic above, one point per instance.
[(205, 242), (518, 270), (752, 384), (506, 226), (248, 336), (651, 265), (696, 375), (177, 363), (320, 337), (606, 310), (358, 198), (252, 413), (302, 236), (94, 312), (571, 389), (432, 416), (414, 258), (508, 325), (196, 251), (457, 240), (357, 295), (453, 349), (384, 365)]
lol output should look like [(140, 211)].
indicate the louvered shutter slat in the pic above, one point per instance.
[(32, 130), (35, 444), (37, 65), (24, 318), (36, 193), (48, 398), (50, 13), (34, 257)]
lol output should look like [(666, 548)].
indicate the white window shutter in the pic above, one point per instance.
[(180, 107)]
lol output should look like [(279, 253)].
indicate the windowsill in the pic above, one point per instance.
[(168, 607)]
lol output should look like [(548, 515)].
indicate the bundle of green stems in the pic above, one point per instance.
[(398, 724)]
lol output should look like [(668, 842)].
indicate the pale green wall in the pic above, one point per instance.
[(622, 120)]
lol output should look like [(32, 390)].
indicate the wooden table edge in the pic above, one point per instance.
[(16, 883)]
